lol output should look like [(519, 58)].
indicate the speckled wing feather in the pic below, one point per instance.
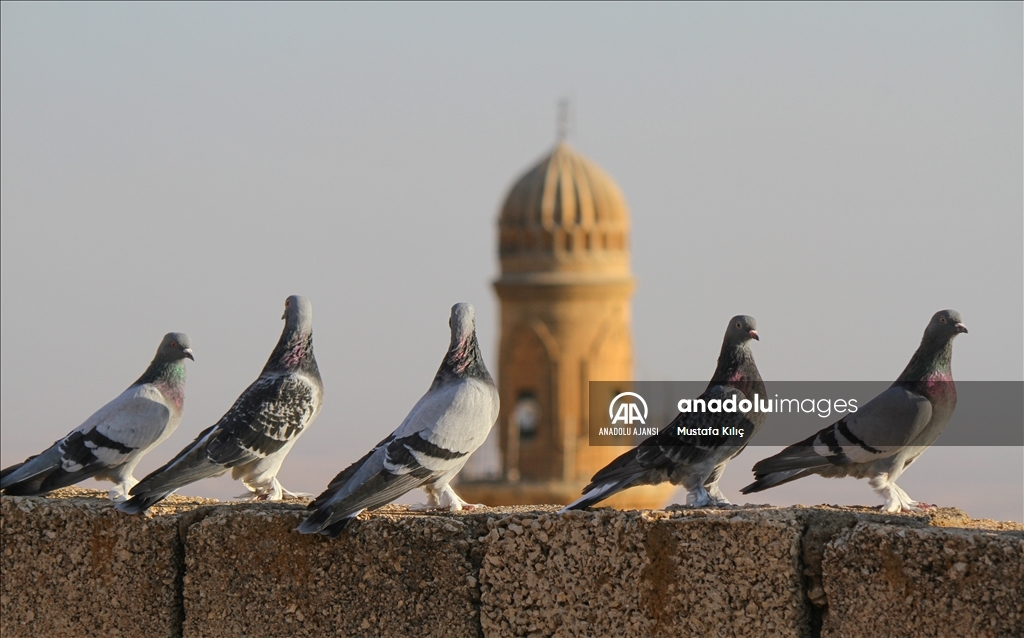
[(681, 453), (256, 433), (668, 448), (270, 413), (668, 455)]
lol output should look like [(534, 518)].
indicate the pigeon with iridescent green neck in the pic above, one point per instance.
[(880, 440), (111, 442), (256, 434)]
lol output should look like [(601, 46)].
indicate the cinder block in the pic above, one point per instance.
[(249, 574), (702, 573), (888, 581), (77, 567)]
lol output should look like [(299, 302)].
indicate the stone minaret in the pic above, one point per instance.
[(565, 288)]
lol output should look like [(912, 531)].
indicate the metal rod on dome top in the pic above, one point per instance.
[(562, 123)]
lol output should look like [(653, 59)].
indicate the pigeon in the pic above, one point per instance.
[(694, 461), (256, 434), (881, 439), (428, 449), (111, 442)]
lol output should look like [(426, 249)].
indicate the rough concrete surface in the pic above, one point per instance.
[(718, 573), (76, 567), (249, 574), (888, 581), (73, 566)]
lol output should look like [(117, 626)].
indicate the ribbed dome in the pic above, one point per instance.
[(564, 213)]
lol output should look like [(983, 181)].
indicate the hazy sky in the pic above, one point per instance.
[(840, 172)]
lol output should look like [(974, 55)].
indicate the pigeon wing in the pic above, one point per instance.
[(876, 431), (444, 427), (668, 455), (346, 475), (115, 433), (674, 446), (270, 413)]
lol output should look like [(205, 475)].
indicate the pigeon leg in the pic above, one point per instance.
[(698, 497), (452, 501), (120, 492), (432, 501), (716, 496), (914, 505), (896, 500), (711, 485), (274, 492), (271, 491), (880, 483), (291, 494), (443, 499)]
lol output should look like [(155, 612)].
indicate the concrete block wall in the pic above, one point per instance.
[(73, 566)]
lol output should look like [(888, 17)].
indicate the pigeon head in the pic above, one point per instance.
[(742, 328), (463, 358), (298, 315), (174, 347), (294, 349), (945, 325), (168, 367), (933, 359), (463, 323)]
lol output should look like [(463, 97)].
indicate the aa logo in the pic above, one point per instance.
[(627, 412)]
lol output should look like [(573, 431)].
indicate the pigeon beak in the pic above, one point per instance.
[(188, 353), (960, 328), (753, 335)]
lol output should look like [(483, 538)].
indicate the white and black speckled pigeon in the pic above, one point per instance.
[(694, 461), (110, 443), (255, 435), (429, 448), (880, 440)]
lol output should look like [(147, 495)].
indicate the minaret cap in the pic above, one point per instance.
[(565, 215)]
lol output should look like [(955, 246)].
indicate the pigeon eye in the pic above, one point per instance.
[(738, 325), (942, 319)]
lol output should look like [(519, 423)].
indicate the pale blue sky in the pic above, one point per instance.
[(839, 171)]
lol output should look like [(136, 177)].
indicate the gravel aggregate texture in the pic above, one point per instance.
[(74, 566), (882, 581)]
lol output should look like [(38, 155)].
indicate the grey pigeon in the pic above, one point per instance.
[(880, 440), (255, 435), (429, 448), (111, 442), (694, 461)]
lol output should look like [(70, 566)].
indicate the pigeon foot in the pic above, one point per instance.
[(698, 498)]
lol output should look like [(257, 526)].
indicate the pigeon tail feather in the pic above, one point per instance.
[(332, 530), (315, 521), (10, 470), (177, 477), (29, 477), (59, 477), (597, 492), (378, 490), (141, 502), (773, 479)]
